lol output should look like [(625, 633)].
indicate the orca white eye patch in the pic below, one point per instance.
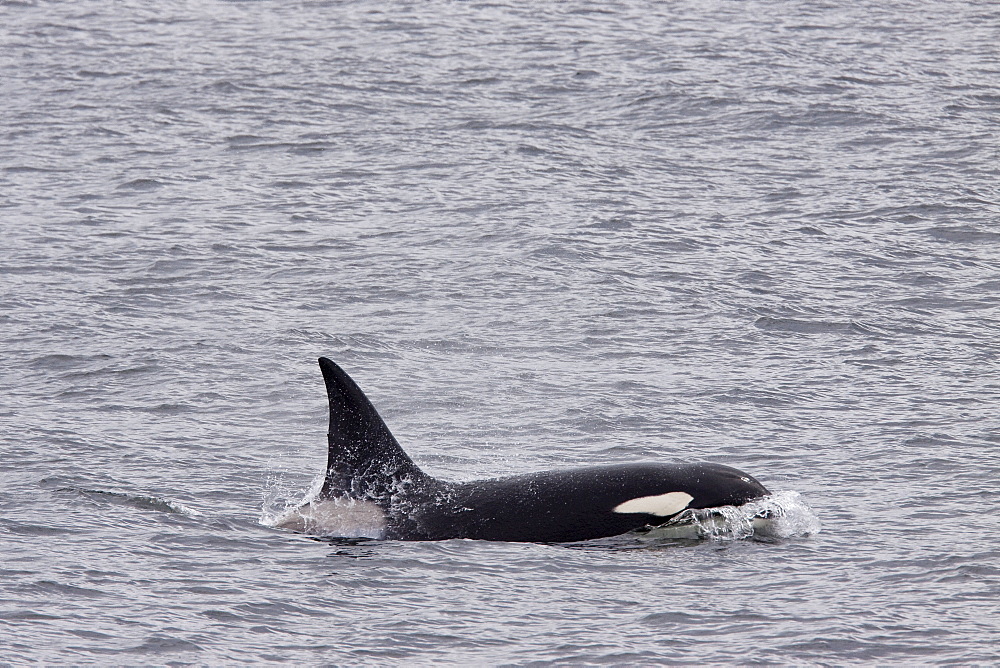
[(661, 505)]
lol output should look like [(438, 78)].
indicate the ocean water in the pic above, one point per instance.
[(539, 235)]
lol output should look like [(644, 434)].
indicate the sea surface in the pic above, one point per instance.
[(538, 235)]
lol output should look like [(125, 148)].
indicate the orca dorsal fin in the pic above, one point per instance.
[(364, 460)]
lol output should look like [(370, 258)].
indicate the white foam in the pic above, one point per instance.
[(342, 517)]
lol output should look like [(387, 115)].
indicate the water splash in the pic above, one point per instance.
[(330, 518), (280, 497), (334, 518), (780, 515)]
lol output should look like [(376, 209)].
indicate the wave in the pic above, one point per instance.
[(141, 501)]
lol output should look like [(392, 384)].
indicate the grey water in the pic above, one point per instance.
[(539, 235)]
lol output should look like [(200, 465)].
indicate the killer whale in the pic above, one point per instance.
[(370, 480)]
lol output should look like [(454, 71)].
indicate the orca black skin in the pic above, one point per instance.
[(367, 466)]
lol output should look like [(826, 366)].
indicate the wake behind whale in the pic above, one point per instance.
[(372, 488)]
